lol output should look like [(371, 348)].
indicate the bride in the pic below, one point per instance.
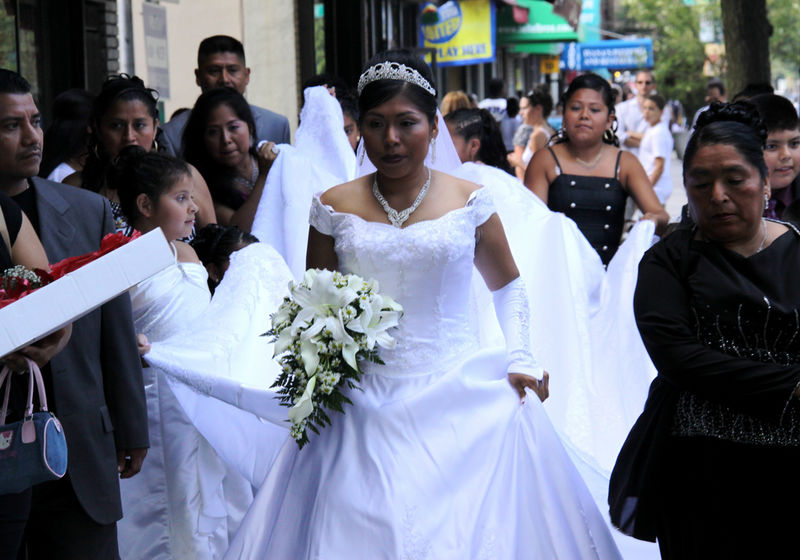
[(447, 451)]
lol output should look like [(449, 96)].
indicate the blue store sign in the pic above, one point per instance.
[(612, 54)]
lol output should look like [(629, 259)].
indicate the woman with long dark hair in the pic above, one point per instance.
[(219, 140), (125, 113), (586, 176)]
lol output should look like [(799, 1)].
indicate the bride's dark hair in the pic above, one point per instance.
[(380, 91)]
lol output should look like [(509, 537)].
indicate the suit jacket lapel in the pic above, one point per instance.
[(56, 229)]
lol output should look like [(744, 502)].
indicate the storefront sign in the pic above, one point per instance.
[(548, 64), (155, 40), (461, 31), (612, 54)]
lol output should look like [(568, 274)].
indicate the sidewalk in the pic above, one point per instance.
[(678, 197)]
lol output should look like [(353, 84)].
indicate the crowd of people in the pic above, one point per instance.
[(552, 360)]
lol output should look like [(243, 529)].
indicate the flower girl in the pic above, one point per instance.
[(185, 501)]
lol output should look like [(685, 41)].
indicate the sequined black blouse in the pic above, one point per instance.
[(723, 330)]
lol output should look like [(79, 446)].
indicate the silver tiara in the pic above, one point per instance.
[(393, 71)]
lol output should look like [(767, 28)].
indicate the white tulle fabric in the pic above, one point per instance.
[(185, 503), (321, 158), (436, 458)]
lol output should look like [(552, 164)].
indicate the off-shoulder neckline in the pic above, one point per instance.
[(473, 195)]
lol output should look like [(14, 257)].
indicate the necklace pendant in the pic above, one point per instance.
[(397, 219)]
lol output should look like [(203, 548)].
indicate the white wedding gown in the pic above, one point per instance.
[(582, 332), (436, 458), (185, 503)]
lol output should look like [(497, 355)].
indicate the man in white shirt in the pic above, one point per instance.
[(632, 123)]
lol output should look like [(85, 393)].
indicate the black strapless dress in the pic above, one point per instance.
[(595, 204)]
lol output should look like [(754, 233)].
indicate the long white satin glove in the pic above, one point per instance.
[(513, 314)]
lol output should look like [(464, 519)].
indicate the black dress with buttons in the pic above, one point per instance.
[(595, 204)]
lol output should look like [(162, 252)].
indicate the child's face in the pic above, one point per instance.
[(651, 112), (176, 209), (782, 154)]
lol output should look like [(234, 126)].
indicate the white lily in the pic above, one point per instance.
[(374, 321), (304, 405), (320, 297), (311, 344)]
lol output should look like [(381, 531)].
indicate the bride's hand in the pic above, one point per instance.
[(519, 381)]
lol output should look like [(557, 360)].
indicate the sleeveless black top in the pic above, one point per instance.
[(595, 204)]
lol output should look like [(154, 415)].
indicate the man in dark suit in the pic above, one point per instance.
[(94, 384), (220, 62)]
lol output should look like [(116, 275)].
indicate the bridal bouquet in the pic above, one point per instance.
[(323, 328)]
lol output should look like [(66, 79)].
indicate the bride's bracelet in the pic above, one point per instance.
[(513, 313)]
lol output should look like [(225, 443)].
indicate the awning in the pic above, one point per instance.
[(570, 10), (542, 25)]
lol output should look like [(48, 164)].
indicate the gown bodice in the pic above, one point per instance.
[(426, 267), (170, 300)]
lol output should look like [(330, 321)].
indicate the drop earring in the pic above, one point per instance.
[(433, 150)]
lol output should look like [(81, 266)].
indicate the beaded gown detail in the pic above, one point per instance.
[(436, 458)]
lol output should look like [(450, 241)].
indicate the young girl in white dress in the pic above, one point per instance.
[(184, 502), (446, 451)]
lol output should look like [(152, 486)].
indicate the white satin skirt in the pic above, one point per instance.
[(447, 465)]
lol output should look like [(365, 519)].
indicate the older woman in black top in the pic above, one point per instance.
[(710, 468)]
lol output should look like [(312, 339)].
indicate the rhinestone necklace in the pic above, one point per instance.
[(398, 218)]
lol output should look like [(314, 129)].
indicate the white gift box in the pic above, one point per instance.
[(75, 294)]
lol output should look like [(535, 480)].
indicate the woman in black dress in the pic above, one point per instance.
[(586, 176), (710, 468)]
